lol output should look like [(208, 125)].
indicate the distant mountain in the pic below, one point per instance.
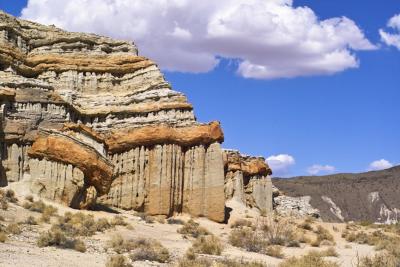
[(372, 196)]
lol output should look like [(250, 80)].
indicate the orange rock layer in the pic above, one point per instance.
[(121, 140), (98, 172)]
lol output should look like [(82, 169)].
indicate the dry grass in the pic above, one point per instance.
[(118, 220), (6, 197), (309, 260), (208, 244), (175, 221), (31, 221), (13, 228), (323, 236), (80, 224), (241, 223), (185, 262), (117, 261), (142, 249), (57, 238), (274, 251), (193, 229), (247, 239), (148, 249), (384, 259)]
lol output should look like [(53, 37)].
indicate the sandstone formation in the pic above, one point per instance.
[(248, 179), (85, 120)]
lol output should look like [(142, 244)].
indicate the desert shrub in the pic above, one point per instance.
[(185, 262), (208, 244), (2, 218), (193, 229), (29, 198), (31, 221), (57, 238), (8, 196), (80, 224), (13, 228), (3, 237), (149, 219), (102, 224), (247, 239), (175, 221), (47, 213), (323, 234), (36, 206), (309, 260), (329, 252), (118, 220), (241, 223), (274, 251), (148, 249), (117, 261), (380, 260), (4, 204), (306, 226), (277, 232)]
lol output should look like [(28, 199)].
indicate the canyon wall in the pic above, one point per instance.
[(84, 119)]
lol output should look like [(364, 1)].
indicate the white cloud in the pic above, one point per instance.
[(379, 165), (392, 39), (318, 169), (270, 38), (280, 164)]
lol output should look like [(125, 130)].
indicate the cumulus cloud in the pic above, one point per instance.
[(379, 165), (392, 39), (320, 169), (280, 164), (268, 38)]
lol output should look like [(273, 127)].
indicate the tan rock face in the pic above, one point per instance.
[(247, 180), (84, 119)]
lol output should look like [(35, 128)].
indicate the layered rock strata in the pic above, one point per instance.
[(85, 120), (248, 180)]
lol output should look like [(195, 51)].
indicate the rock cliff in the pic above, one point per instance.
[(85, 120), (371, 196)]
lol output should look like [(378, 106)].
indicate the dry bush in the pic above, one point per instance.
[(29, 198), (31, 221), (117, 261), (79, 224), (380, 260), (118, 220), (185, 262), (3, 237), (102, 224), (241, 223), (247, 239), (208, 244), (323, 235), (274, 251), (309, 260), (7, 196), (193, 229), (57, 238), (175, 221), (148, 249), (329, 252), (13, 228), (143, 249), (277, 232)]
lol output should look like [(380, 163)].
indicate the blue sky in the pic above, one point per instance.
[(346, 119)]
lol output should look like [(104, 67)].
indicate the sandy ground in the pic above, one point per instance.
[(21, 250)]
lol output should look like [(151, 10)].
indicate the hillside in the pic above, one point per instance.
[(371, 196)]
